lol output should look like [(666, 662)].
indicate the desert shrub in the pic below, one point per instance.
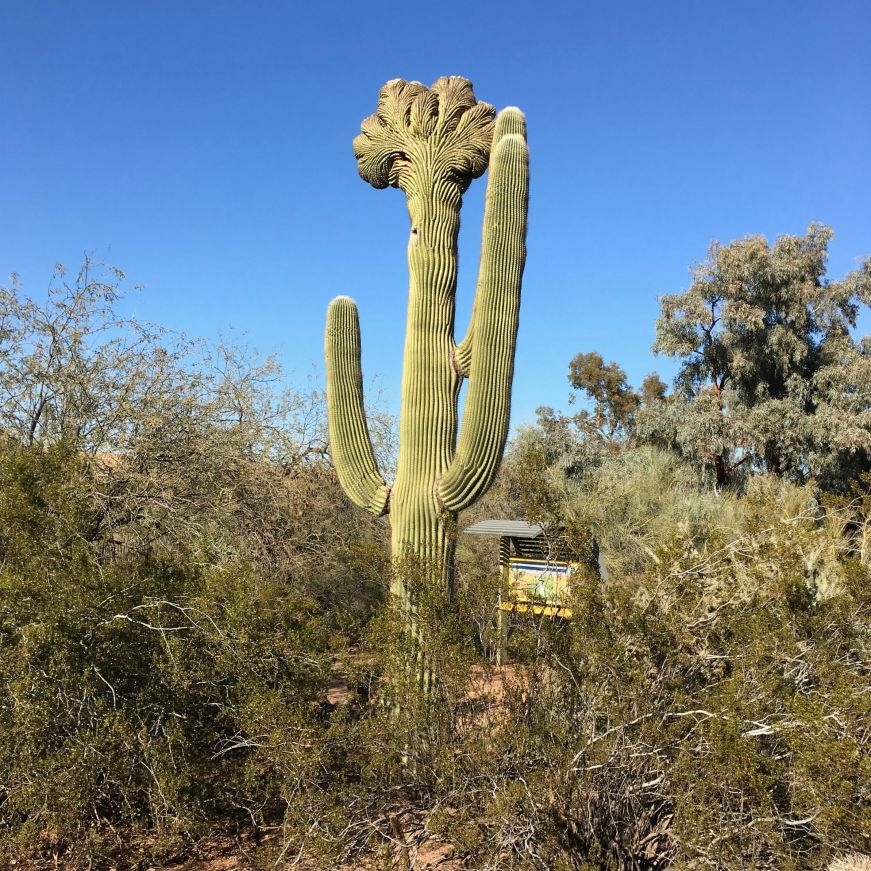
[(710, 712), (627, 499), (184, 441), (178, 571), (140, 694), (640, 497)]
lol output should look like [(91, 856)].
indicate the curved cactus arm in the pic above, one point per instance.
[(497, 305), (350, 444), (462, 360), (509, 120)]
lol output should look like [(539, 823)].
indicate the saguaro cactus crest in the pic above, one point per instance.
[(431, 143)]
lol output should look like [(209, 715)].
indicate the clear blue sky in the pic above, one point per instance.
[(205, 148)]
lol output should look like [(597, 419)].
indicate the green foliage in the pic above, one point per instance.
[(140, 694), (707, 707), (642, 498), (615, 403), (770, 374), (709, 712), (181, 442)]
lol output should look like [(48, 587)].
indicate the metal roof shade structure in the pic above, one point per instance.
[(511, 533), (508, 528), (520, 529)]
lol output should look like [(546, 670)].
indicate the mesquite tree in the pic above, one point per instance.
[(431, 143)]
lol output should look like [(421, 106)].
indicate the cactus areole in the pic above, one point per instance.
[(431, 143)]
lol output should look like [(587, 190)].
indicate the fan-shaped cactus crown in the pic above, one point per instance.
[(443, 128)]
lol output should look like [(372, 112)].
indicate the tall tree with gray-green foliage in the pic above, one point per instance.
[(771, 375)]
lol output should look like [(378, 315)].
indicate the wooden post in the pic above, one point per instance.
[(502, 616)]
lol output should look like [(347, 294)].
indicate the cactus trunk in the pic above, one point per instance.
[(430, 389), (431, 143)]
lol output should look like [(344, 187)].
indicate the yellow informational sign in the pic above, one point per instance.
[(541, 586)]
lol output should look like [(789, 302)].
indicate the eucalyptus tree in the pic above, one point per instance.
[(771, 375)]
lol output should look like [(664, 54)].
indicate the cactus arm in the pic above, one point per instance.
[(350, 444), (494, 330), (509, 120), (462, 359)]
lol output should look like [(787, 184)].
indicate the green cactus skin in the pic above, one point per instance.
[(431, 143)]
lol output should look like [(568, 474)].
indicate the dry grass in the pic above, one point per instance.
[(851, 862)]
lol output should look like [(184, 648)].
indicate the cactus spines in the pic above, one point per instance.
[(431, 143)]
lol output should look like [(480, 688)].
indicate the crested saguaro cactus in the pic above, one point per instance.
[(431, 143)]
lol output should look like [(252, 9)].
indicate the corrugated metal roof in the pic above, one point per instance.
[(512, 528)]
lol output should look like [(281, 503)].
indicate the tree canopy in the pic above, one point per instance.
[(771, 375)]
